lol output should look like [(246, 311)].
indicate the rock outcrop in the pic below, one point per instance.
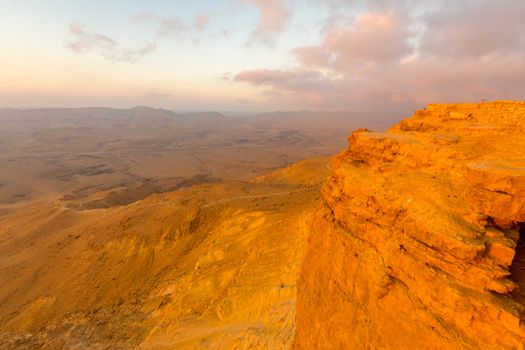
[(419, 241)]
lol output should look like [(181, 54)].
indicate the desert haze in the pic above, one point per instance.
[(97, 157), (262, 175)]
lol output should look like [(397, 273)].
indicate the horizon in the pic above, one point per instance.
[(255, 56), (224, 112)]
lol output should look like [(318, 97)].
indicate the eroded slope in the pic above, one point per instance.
[(213, 266)]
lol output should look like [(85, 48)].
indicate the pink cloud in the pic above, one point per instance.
[(313, 56), (272, 20), (394, 58), (374, 37)]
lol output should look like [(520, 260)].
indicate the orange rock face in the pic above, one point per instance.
[(417, 243)]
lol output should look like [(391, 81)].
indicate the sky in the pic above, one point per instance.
[(260, 55)]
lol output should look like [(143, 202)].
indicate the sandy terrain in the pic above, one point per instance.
[(213, 266)]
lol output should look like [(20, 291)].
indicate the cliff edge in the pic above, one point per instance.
[(420, 240)]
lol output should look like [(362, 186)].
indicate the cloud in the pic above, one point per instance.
[(201, 21), (302, 86), (175, 27), (273, 17), (403, 54), (166, 26), (227, 77), (144, 16), (107, 47), (226, 33), (465, 29), (373, 37), (313, 56), (266, 76)]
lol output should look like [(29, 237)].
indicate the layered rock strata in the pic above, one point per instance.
[(417, 243)]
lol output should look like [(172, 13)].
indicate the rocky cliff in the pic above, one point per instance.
[(417, 242)]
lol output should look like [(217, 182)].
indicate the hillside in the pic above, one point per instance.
[(212, 266)]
